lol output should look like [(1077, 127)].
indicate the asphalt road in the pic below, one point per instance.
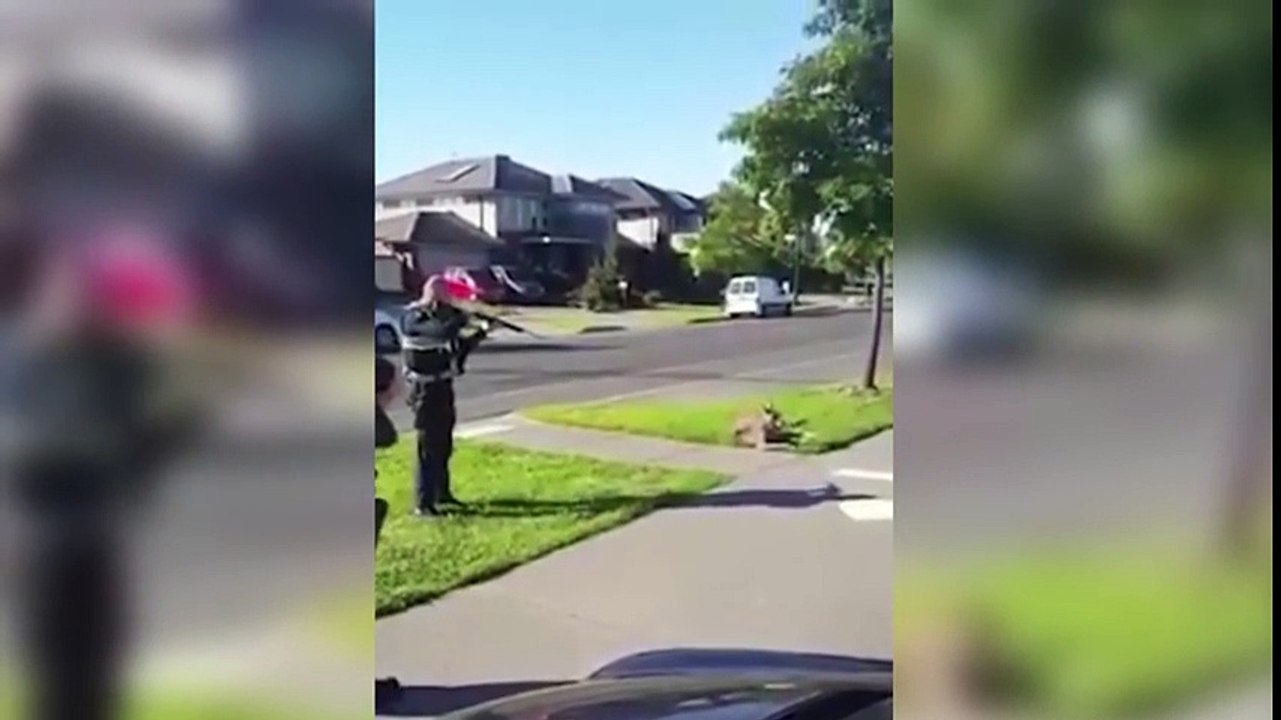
[(1089, 440), (509, 373)]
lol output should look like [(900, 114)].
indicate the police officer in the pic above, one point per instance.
[(435, 350)]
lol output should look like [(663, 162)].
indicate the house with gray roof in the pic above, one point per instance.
[(655, 217), (557, 223), (426, 243)]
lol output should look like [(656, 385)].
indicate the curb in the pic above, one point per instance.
[(808, 310)]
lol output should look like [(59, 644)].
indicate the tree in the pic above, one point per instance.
[(741, 237), (820, 149)]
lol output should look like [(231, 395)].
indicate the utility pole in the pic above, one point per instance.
[(796, 267), (878, 312), (1250, 466)]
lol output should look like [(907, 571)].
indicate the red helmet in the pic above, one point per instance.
[(133, 278)]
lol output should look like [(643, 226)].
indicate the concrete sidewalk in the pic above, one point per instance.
[(770, 561)]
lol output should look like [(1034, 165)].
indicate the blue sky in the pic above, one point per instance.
[(594, 87)]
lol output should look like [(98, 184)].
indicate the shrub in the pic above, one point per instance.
[(601, 291)]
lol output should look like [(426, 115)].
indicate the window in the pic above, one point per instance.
[(392, 204), (455, 175), (749, 287)]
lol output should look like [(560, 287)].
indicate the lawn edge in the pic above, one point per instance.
[(798, 451)]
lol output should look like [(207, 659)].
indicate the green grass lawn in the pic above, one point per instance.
[(1106, 635), (833, 418), (177, 705), (523, 504)]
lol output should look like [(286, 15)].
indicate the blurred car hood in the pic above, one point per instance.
[(703, 685), (695, 662)]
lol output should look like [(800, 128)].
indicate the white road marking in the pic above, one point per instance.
[(473, 431), (864, 474), (868, 510)]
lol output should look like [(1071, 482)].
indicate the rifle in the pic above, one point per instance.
[(491, 319)]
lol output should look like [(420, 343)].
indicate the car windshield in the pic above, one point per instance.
[(481, 277), (749, 287), (514, 273)]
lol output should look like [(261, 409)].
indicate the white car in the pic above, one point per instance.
[(387, 340), (958, 307), (757, 296)]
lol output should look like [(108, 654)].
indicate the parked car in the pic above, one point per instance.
[(557, 284), (960, 308), (521, 284), (484, 285), (387, 340), (689, 684), (499, 284), (758, 296)]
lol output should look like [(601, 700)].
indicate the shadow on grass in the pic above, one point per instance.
[(779, 499), (819, 447)]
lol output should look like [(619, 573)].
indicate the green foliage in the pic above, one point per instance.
[(601, 291), (821, 147), (742, 237), (1088, 129)]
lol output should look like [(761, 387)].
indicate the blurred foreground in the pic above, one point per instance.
[(184, 360), (1083, 415)]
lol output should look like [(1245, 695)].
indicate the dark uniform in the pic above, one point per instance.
[(82, 489), (384, 433), (435, 352)]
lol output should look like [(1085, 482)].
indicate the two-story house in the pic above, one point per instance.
[(653, 217), (560, 223)]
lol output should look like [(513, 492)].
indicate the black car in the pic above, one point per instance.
[(710, 685)]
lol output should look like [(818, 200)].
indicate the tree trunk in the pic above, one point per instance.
[(1250, 469), (878, 312)]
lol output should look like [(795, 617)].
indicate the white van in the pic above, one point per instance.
[(758, 296)]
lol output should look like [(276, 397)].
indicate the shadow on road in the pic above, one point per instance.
[(771, 498), (785, 499), (550, 375), (429, 700), (535, 346)]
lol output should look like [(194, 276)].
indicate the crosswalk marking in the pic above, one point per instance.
[(473, 431), (864, 474), (868, 510)]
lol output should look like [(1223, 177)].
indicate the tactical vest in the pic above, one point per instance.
[(431, 341)]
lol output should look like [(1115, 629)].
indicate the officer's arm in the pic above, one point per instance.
[(465, 344), (468, 343), (458, 319)]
